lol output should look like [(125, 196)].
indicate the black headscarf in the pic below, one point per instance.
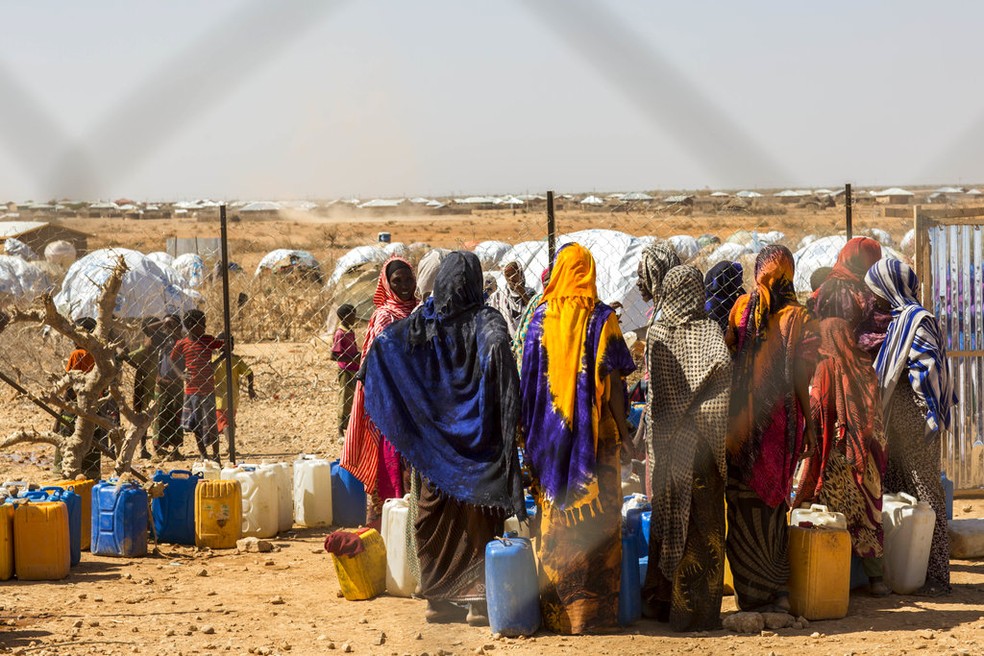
[(442, 386), (722, 287)]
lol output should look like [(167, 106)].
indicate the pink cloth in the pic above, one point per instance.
[(389, 477)]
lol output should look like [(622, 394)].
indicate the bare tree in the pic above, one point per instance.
[(91, 390)]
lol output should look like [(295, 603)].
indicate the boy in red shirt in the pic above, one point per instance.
[(192, 357)]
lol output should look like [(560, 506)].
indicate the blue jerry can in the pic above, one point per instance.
[(348, 498), (511, 587), (119, 519), (630, 592), (174, 513)]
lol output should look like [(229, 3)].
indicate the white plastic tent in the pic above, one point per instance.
[(161, 259), (147, 290), (261, 206), (823, 253), (356, 256), (686, 247), (191, 267), (593, 200), (728, 251), (286, 258), (491, 252), (17, 248), (21, 281), (60, 253), (748, 194), (395, 248)]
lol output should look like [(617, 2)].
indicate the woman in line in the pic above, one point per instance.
[(916, 393), (773, 342), (367, 454), (512, 297), (523, 325), (722, 287), (687, 419), (844, 294), (845, 474), (574, 418), (442, 386)]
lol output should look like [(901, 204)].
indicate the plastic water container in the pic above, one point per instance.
[(521, 529), (73, 502), (6, 541), (511, 588), (261, 505), (348, 498), (174, 513), (396, 515), (817, 515), (820, 572), (908, 525), (630, 593), (119, 519), (285, 494), (858, 577), (633, 507), (363, 576), (83, 488), (208, 469), (218, 513), (312, 491), (643, 569), (42, 551), (947, 494)]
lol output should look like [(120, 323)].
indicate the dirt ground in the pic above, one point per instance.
[(179, 601)]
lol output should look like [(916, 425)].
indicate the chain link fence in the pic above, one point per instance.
[(290, 272)]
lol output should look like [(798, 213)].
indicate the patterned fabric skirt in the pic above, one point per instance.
[(451, 539), (914, 468), (580, 561), (861, 502), (758, 546), (692, 600)]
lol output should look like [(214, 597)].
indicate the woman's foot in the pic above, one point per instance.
[(478, 614), (933, 590), (877, 587), (442, 612), (781, 602)]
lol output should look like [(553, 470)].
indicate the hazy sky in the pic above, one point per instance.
[(294, 99)]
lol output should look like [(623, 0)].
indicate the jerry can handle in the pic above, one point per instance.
[(819, 507), (908, 497), (53, 491), (184, 473)]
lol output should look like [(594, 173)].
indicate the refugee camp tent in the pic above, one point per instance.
[(60, 253), (908, 243), (191, 267), (823, 253), (147, 289), (16, 248), (356, 287), (21, 281), (395, 248), (161, 259), (748, 194), (287, 261), (490, 253), (593, 200), (879, 235), (685, 246), (354, 257)]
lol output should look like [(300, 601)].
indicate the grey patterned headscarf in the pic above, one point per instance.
[(657, 259)]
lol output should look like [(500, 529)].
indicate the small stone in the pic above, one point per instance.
[(968, 509), (479, 651), (768, 634), (77, 624), (802, 620), (208, 629), (169, 633), (380, 639), (926, 634), (346, 648), (488, 647), (202, 572), (97, 598), (816, 634), (286, 646), (317, 551), (776, 621), (744, 622), (253, 545), (330, 645), (268, 563), (797, 625), (322, 637), (277, 601), (94, 623), (363, 621), (82, 595), (419, 636)]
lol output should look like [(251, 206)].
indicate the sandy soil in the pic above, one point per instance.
[(181, 602)]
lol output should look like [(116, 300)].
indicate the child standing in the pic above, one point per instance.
[(192, 357), (345, 352), (240, 370)]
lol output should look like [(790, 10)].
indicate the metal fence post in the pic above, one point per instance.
[(226, 347), (551, 231), (848, 211)]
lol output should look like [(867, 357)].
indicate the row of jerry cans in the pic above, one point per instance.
[(41, 532), (313, 492)]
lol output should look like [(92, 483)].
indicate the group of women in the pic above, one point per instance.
[(742, 387)]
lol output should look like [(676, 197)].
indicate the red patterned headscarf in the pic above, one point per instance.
[(858, 255)]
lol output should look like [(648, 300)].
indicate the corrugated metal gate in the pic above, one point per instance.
[(950, 265)]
